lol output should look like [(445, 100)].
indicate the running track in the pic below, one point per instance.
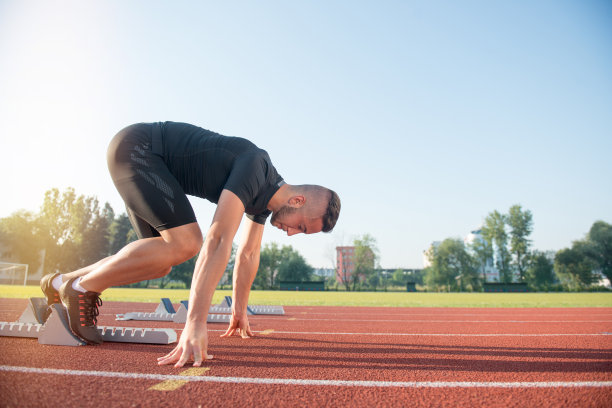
[(332, 356)]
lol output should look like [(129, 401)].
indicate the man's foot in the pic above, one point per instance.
[(52, 295), (82, 311), (46, 284)]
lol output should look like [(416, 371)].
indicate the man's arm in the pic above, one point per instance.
[(209, 268), (245, 269)]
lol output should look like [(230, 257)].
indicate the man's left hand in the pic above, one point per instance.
[(240, 326)]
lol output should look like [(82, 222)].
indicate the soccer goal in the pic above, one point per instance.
[(13, 273)]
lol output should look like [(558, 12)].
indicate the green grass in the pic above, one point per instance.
[(395, 299)]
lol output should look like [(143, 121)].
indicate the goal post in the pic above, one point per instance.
[(13, 273)]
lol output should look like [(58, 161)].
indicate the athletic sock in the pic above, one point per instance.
[(77, 286), (57, 282)]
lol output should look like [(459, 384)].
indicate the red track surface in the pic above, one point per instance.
[(401, 357)]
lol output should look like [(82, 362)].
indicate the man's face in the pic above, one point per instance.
[(294, 221)]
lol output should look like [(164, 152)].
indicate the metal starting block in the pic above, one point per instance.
[(56, 330), (165, 313), (253, 310), (17, 329)]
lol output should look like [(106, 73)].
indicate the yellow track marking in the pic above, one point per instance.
[(267, 331), (171, 385)]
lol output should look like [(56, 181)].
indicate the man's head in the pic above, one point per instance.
[(308, 209)]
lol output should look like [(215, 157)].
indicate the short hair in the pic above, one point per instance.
[(332, 212)]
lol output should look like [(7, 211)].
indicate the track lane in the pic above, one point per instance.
[(284, 354)]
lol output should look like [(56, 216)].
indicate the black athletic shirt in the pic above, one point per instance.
[(204, 163)]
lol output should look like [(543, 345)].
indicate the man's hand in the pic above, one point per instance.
[(191, 346), (241, 324)]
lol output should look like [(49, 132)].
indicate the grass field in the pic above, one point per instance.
[(395, 299)]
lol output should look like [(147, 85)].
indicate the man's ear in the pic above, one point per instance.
[(297, 201)]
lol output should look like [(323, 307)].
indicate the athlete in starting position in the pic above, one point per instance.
[(154, 166)]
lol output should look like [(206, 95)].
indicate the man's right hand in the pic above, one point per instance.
[(192, 346)]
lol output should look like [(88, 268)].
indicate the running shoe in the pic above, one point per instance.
[(82, 309), (52, 295), (46, 284)]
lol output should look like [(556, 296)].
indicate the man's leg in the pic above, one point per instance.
[(148, 258)]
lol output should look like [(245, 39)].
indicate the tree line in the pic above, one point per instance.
[(71, 231), (503, 245)]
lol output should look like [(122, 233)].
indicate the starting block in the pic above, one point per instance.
[(165, 313), (56, 330), (35, 312), (253, 310)]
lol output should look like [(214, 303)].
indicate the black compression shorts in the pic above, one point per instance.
[(153, 197)]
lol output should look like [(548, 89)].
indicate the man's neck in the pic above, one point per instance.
[(279, 198)]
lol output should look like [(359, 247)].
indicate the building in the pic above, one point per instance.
[(345, 264), (426, 253), (490, 272), (324, 272)]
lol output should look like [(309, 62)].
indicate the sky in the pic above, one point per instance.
[(424, 116)]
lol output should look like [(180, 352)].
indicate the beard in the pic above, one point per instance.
[(283, 212)]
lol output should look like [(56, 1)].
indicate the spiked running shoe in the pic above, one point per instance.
[(46, 285), (52, 295), (82, 309)]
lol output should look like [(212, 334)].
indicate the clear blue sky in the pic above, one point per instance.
[(423, 115)]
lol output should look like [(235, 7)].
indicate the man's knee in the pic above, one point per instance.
[(188, 250), (186, 241)]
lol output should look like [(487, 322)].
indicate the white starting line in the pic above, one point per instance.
[(450, 321), (437, 334), (308, 382)]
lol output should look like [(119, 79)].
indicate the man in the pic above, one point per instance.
[(154, 166)]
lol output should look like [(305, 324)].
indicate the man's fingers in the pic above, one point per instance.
[(244, 334), (245, 331), (184, 358), (197, 358), (169, 354), (169, 358), (230, 332)]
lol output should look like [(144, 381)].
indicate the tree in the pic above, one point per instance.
[(121, 233), (20, 233), (293, 266), (96, 236), (540, 273), (276, 264), (521, 226), (599, 241), (74, 230), (483, 253), (183, 272), (229, 269), (574, 267), (365, 261), (494, 233), (399, 278), (452, 267), (269, 261)]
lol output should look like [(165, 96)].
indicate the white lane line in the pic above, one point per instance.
[(291, 381), (439, 334), (264, 317), (448, 321), (518, 313)]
